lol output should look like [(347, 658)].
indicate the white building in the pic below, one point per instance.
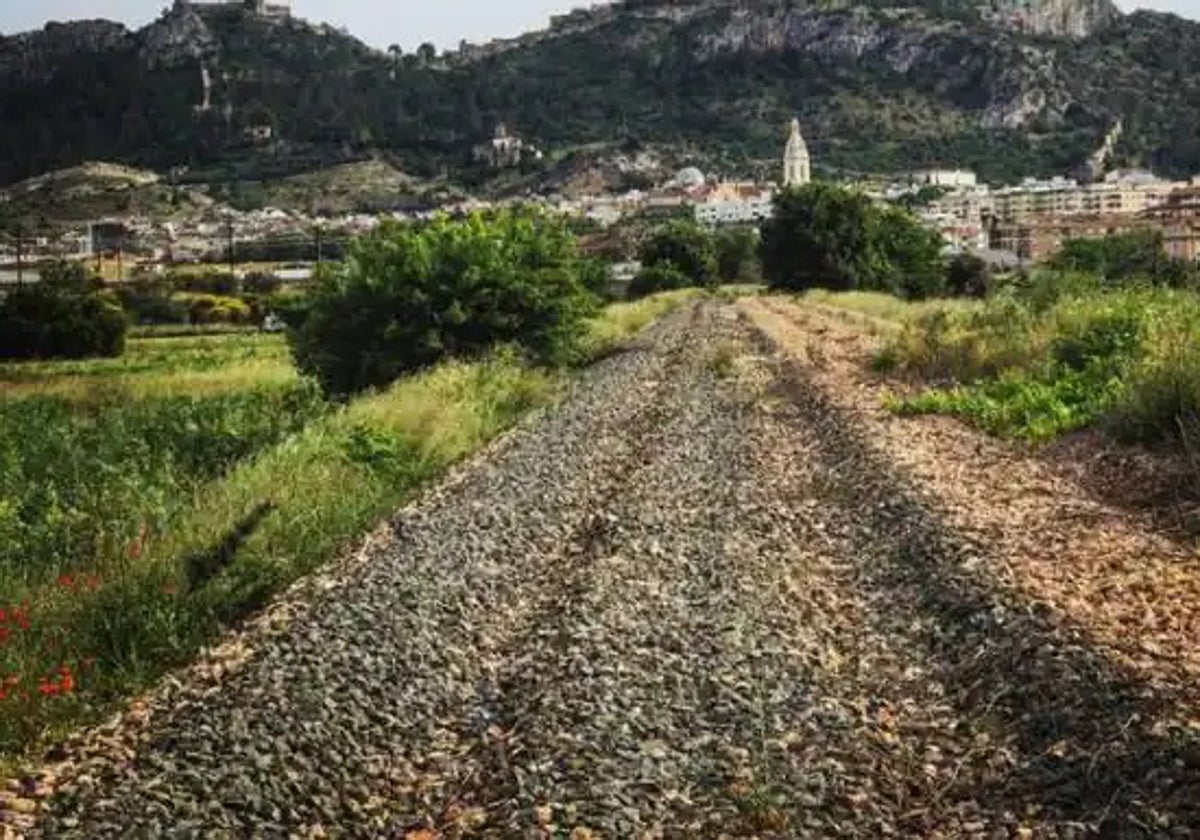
[(731, 203), (797, 168), (954, 178)]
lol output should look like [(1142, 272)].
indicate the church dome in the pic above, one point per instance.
[(689, 177)]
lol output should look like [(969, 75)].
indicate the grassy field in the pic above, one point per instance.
[(155, 367), (1034, 363), (885, 307), (148, 501)]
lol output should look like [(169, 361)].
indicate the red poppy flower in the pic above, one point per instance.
[(5, 633), (93, 582), (47, 689), (3, 615), (66, 683), (66, 581)]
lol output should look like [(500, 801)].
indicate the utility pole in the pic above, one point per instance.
[(229, 244), (317, 234), (20, 256)]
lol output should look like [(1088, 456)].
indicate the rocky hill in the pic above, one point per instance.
[(1010, 87)]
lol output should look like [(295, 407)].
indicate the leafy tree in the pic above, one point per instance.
[(412, 295), (967, 276), (923, 197), (906, 255), (824, 236), (1121, 257), (426, 54), (63, 316), (657, 278), (737, 253), (817, 238), (684, 246)]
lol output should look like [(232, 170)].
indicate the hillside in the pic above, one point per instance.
[(95, 190), (1010, 88)]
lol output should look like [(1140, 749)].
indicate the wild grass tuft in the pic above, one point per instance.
[(1036, 367)]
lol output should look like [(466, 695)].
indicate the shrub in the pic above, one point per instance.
[(657, 278), (1123, 258), (211, 282), (218, 309), (737, 254), (261, 283), (412, 295), (1125, 358), (150, 302), (684, 246), (64, 316), (967, 276)]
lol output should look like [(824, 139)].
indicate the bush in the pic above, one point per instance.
[(737, 254), (261, 283), (217, 309), (150, 302), (210, 282), (967, 276), (64, 316), (1125, 359), (1123, 258), (657, 278), (684, 246), (410, 296)]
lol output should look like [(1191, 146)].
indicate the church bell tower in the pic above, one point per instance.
[(797, 170)]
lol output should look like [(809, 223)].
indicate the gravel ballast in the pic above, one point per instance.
[(687, 602)]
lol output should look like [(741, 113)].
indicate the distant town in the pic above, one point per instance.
[(1009, 226)]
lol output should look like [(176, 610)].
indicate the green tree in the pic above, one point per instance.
[(817, 238), (685, 246), (737, 253), (657, 278), (65, 316), (824, 236), (967, 276), (412, 295), (1134, 255), (906, 256)]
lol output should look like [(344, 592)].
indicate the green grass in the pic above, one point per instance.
[(620, 320), (1035, 367), (886, 307), (191, 513), (177, 365)]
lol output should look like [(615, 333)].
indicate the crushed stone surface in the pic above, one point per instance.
[(695, 600)]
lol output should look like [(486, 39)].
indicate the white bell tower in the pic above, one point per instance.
[(797, 170)]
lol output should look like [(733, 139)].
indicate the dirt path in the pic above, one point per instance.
[(697, 600)]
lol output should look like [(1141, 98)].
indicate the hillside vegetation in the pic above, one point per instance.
[(876, 89)]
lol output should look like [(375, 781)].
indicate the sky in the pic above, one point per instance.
[(384, 22)]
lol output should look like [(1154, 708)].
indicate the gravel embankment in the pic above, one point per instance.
[(683, 604)]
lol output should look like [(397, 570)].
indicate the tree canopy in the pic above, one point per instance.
[(411, 295), (825, 236)]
